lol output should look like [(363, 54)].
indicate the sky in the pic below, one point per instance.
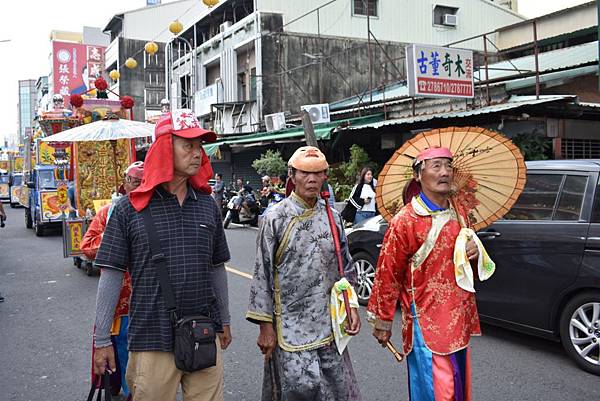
[(27, 25)]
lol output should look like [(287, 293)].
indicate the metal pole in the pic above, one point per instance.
[(487, 78), (537, 65), (598, 26), (366, 3)]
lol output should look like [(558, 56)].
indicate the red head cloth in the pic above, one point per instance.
[(433, 153), (158, 166)]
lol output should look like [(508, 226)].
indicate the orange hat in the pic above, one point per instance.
[(309, 159)]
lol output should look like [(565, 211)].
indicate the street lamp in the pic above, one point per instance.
[(176, 27)]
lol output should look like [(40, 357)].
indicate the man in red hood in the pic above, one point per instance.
[(190, 233)]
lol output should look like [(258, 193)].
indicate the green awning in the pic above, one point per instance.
[(322, 132)]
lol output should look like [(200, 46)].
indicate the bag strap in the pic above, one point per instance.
[(105, 380), (159, 261)]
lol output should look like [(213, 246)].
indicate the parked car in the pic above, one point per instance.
[(547, 254)]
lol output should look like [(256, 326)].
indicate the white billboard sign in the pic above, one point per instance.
[(439, 71), (204, 98)]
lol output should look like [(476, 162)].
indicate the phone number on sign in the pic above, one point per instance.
[(446, 87)]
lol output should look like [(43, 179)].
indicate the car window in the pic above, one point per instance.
[(538, 198), (571, 198)]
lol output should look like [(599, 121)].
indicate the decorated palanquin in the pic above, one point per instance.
[(95, 170), (95, 161)]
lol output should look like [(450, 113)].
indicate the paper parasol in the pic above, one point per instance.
[(489, 172)]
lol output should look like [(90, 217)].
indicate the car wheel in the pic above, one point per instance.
[(28, 222), (580, 331), (365, 271)]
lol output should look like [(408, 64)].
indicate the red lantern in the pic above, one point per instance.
[(76, 100), (127, 102), (100, 84)]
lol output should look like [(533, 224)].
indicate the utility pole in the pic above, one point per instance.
[(598, 31), (366, 5)]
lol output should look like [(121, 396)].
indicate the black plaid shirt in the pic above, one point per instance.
[(193, 241)]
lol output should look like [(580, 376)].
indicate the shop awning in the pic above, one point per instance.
[(512, 103), (322, 132)]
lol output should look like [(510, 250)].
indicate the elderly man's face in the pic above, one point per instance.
[(308, 185), (187, 156), (436, 176), (130, 183)]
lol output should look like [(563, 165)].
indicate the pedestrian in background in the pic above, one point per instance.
[(218, 190), (2, 218), (362, 197), (173, 205), (89, 246)]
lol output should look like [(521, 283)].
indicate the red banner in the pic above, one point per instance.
[(75, 67)]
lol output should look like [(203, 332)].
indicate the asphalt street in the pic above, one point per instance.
[(46, 323)]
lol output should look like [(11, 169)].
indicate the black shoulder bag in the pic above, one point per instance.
[(194, 336)]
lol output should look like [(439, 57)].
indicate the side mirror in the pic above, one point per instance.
[(31, 184)]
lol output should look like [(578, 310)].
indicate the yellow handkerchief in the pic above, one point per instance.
[(462, 266), (337, 308)]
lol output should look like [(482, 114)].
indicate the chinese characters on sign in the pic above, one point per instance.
[(439, 71), (75, 67)]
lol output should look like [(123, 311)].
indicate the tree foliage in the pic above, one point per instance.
[(343, 177), (533, 146), (270, 163)]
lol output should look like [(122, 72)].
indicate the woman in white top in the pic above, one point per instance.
[(363, 196)]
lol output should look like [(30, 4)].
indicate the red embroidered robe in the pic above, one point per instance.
[(447, 314)]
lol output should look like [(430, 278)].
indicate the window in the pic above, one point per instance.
[(440, 12), (253, 84), (360, 7), (571, 198), (242, 86), (538, 198)]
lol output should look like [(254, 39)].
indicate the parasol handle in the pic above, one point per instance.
[(336, 242), (399, 357)]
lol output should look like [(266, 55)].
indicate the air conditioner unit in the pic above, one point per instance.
[(224, 26), (275, 122), (450, 19), (319, 113)]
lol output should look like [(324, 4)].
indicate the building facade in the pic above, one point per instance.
[(27, 106), (254, 58), (129, 32)]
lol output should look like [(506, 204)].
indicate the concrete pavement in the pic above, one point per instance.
[(47, 318)]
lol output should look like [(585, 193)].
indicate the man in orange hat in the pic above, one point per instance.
[(416, 269), (174, 207), (295, 271)]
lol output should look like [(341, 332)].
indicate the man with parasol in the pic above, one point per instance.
[(425, 264), (303, 343)]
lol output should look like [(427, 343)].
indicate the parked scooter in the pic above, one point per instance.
[(238, 213)]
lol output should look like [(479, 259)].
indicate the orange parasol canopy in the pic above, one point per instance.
[(489, 172)]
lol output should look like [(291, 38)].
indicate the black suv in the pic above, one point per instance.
[(547, 254)]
